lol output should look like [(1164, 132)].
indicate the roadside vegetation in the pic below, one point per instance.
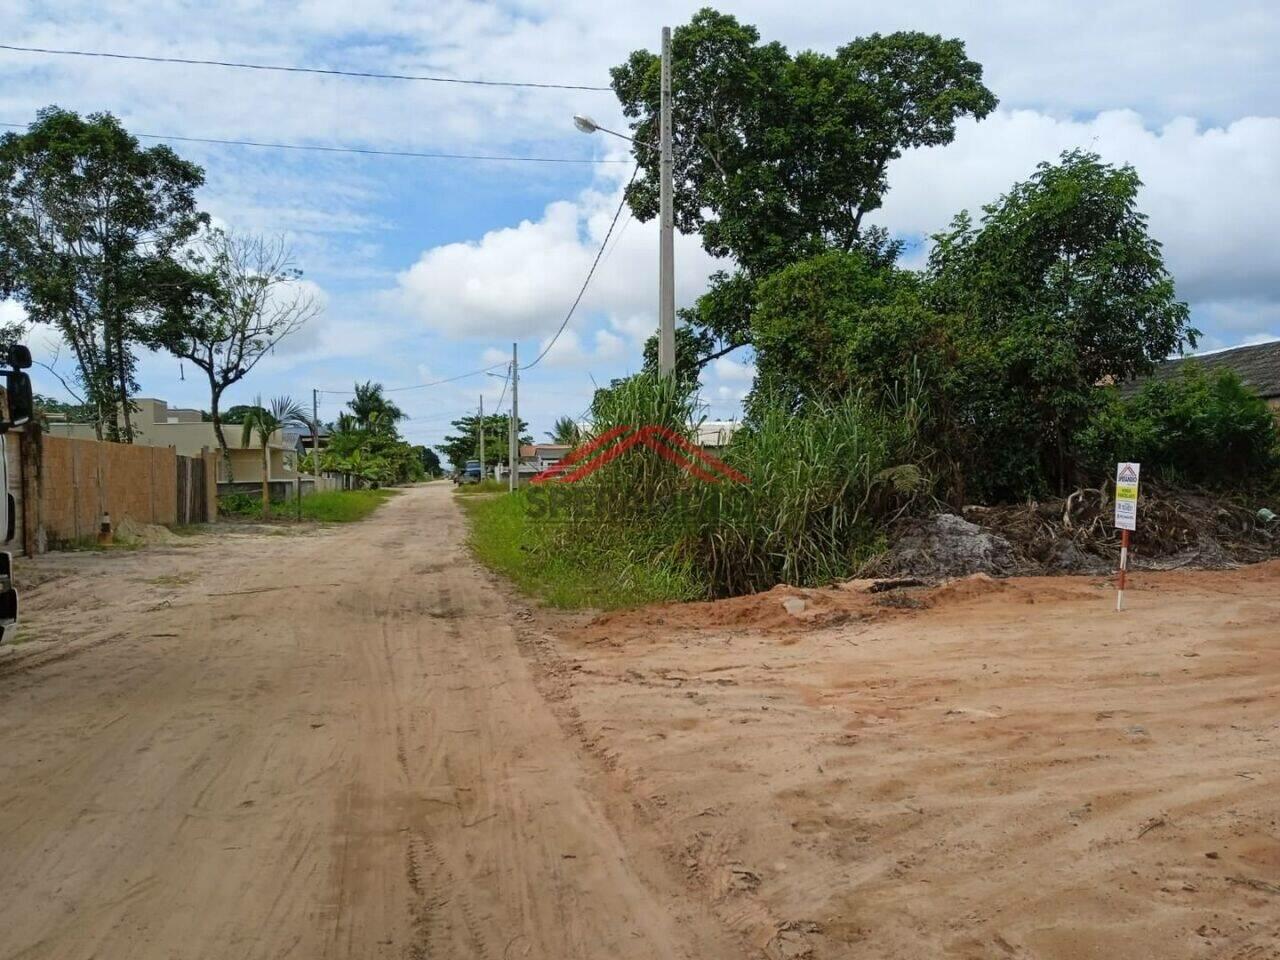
[(484, 486), (508, 536), (996, 374), (328, 506)]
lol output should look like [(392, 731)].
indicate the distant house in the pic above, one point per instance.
[(714, 435), (305, 440), (1257, 366), (156, 424), (542, 455)]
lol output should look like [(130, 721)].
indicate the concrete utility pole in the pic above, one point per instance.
[(482, 438), (315, 441), (666, 216), (515, 420)]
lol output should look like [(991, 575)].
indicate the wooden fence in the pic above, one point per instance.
[(65, 486)]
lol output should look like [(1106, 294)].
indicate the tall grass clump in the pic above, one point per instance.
[(822, 479), (819, 482)]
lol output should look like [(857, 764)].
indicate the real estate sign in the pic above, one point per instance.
[(1127, 495)]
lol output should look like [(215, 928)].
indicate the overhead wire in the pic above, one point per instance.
[(280, 68), (421, 386), (505, 381), (365, 151), (590, 273)]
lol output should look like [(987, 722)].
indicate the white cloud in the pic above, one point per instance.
[(519, 281), (11, 311), (636, 327), (733, 371), (609, 346), (1212, 194), (570, 352), (726, 392)]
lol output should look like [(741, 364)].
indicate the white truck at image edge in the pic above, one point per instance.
[(19, 408)]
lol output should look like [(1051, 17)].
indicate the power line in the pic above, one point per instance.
[(363, 74), (590, 273), (505, 382), (368, 151), (421, 386)]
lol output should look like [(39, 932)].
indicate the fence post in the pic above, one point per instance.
[(30, 448), (75, 491), (151, 480)]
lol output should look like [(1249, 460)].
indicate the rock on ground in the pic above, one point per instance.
[(946, 545)]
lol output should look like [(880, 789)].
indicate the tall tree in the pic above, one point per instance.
[(372, 410), (261, 423), (246, 300), (89, 227), (429, 459), (465, 444), (1064, 288), (779, 157), (365, 441)]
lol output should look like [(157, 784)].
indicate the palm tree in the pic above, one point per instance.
[(565, 431), (372, 410), (263, 422)]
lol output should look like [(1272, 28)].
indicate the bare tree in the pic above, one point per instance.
[(252, 300)]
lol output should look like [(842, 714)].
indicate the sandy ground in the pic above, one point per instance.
[(352, 743), (990, 769), (312, 746)]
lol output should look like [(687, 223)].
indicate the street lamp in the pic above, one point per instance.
[(666, 217)]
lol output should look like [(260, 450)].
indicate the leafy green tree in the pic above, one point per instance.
[(71, 412), (464, 445), (1198, 427), (692, 344), (1061, 288), (365, 442), (248, 302), (90, 224), (429, 459), (779, 156), (261, 423), (840, 326), (236, 414), (836, 324)]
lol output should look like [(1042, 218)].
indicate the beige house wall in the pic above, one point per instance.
[(158, 425)]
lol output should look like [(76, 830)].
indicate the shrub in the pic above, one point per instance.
[(820, 478), (1198, 428), (239, 505)]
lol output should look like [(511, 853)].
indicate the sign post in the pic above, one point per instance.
[(1126, 517)]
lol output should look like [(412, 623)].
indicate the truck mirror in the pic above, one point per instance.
[(21, 404), (19, 356)]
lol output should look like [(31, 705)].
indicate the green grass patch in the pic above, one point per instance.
[(484, 486), (344, 506), (505, 539), (328, 506)]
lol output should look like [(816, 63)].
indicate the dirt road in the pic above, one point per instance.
[(317, 746), (352, 743)]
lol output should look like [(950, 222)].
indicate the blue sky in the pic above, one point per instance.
[(430, 268)]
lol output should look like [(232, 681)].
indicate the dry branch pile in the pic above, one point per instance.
[(1076, 535)]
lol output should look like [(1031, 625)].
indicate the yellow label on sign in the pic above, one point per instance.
[(1127, 496)]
